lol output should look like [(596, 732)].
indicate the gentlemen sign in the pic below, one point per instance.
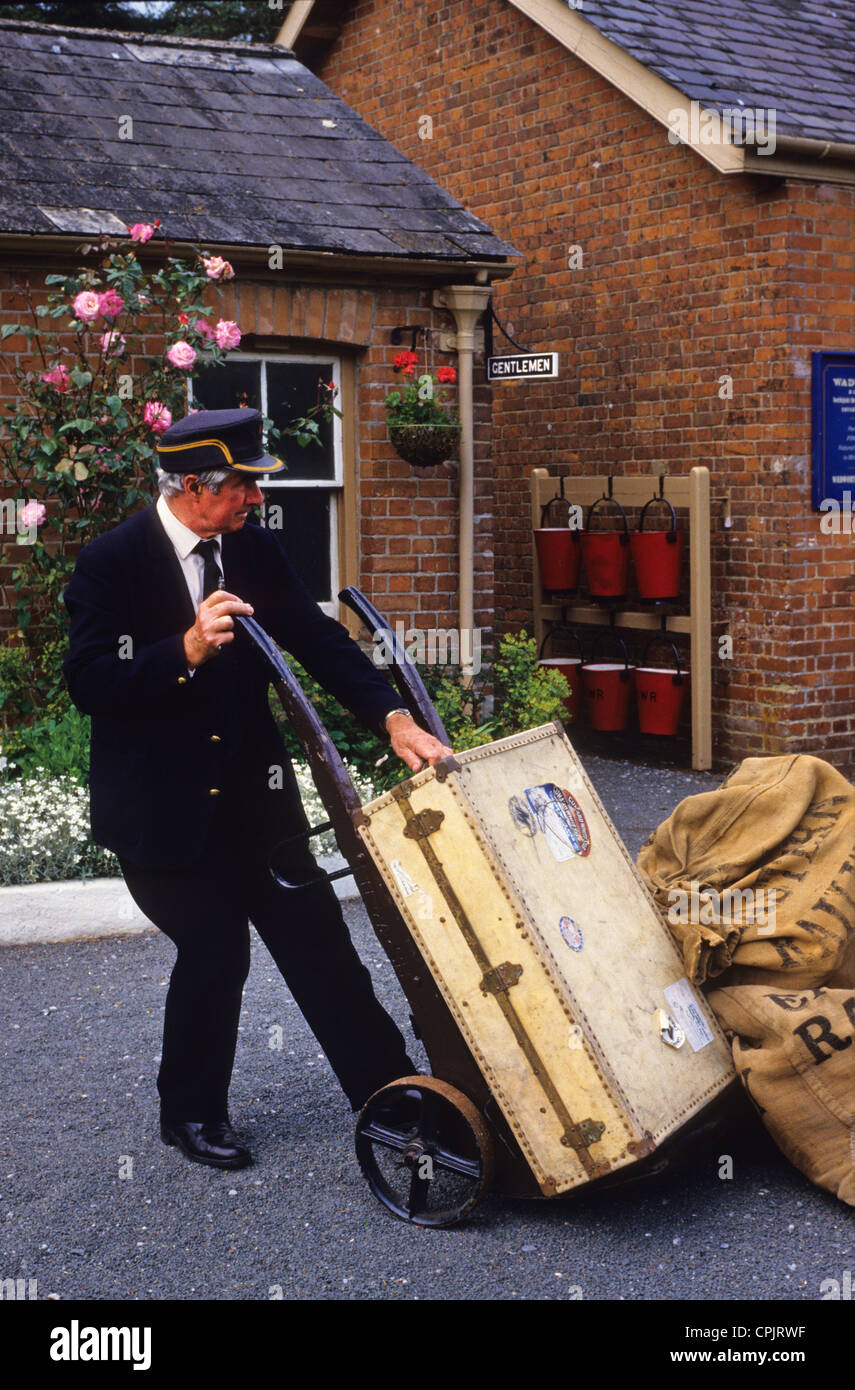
[(833, 426), (522, 364)]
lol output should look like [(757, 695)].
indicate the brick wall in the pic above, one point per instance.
[(687, 276), (408, 542)]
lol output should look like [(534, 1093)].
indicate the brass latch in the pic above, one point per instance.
[(583, 1135), (500, 979), (423, 823)]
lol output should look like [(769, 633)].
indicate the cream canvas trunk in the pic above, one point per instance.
[(564, 982)]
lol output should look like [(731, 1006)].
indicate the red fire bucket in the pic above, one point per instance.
[(569, 666), (660, 694), (606, 556), (656, 556), (558, 555), (608, 691)]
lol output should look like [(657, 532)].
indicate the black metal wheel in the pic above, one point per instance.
[(425, 1151)]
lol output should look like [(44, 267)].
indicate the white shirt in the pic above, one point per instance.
[(184, 541)]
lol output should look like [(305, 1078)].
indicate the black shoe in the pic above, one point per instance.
[(214, 1144)]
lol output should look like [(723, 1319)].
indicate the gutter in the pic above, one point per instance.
[(317, 263)]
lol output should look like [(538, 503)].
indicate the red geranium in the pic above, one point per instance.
[(446, 374), (405, 363)]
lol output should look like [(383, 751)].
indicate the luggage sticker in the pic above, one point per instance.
[(406, 886), (684, 1006), (557, 814), (669, 1031), (571, 932)]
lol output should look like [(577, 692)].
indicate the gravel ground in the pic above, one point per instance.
[(94, 1206)]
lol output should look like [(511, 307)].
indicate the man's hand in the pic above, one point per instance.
[(413, 744), (214, 626)]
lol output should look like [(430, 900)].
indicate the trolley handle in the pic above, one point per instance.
[(330, 775), (404, 669)]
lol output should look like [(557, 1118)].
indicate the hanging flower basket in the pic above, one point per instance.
[(425, 445)]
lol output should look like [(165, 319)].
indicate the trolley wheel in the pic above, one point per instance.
[(425, 1151)]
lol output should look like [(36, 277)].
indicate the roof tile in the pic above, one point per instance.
[(231, 143)]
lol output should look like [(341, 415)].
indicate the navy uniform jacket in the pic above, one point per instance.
[(163, 741)]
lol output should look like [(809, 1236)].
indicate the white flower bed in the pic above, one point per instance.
[(44, 828), (44, 832)]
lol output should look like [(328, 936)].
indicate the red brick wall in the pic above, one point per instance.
[(408, 532), (687, 275)]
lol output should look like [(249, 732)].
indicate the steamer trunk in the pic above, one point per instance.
[(550, 954)]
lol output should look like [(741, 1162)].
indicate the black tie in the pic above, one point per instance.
[(211, 575)]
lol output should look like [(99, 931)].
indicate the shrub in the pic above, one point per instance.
[(527, 694), (57, 746)]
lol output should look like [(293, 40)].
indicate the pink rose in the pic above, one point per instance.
[(33, 514), (141, 231), (110, 304), (87, 306), (217, 269), (203, 327), (57, 376), (182, 355), (157, 416), (227, 334), (112, 344)]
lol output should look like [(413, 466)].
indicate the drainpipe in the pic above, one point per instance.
[(467, 303)]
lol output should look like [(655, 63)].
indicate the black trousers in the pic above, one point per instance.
[(204, 910)]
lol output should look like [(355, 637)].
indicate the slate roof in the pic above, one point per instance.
[(796, 56), (232, 143)]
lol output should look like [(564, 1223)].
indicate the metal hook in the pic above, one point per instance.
[(396, 335)]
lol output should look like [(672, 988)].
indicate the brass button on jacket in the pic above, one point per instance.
[(215, 738), (182, 680), (214, 791)]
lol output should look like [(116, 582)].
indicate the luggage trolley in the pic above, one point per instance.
[(566, 1045)]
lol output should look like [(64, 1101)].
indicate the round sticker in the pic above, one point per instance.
[(571, 933)]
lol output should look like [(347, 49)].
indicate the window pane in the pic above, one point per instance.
[(292, 391), (227, 386), (300, 520)]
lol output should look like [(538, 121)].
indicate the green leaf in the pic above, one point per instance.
[(8, 329), (79, 377)]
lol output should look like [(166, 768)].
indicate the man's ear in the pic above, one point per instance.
[(192, 484)]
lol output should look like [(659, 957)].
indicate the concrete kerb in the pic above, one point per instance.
[(36, 914)]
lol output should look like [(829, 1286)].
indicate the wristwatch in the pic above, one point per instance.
[(400, 710)]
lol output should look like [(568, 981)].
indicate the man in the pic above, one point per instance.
[(189, 781)]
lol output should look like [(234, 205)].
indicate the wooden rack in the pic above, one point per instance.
[(688, 491)]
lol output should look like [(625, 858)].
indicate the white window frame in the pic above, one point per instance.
[(335, 485)]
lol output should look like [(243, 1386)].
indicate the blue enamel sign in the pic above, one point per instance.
[(833, 427)]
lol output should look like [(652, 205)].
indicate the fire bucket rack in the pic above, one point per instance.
[(689, 495)]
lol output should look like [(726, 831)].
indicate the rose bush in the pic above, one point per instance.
[(80, 440)]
